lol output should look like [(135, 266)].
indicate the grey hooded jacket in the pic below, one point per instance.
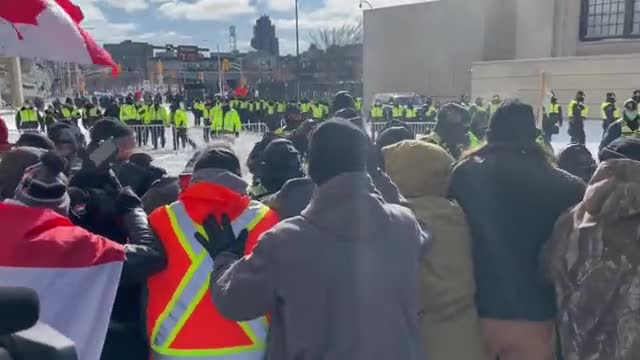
[(340, 281)]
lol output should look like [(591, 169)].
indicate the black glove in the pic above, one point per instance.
[(127, 200), (221, 237)]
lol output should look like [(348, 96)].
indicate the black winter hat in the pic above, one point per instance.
[(62, 134), (577, 160), (280, 163), (35, 140), (45, 185), (109, 128), (627, 147), (513, 122), (337, 147), (218, 158), (342, 100)]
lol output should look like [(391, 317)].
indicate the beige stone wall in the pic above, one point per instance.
[(422, 47), (595, 75)]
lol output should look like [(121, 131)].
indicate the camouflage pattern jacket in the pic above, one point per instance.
[(594, 260)]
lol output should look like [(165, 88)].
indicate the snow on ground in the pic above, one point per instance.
[(174, 161)]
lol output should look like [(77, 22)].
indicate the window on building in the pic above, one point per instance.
[(601, 19)]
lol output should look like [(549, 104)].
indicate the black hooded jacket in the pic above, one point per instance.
[(512, 197)]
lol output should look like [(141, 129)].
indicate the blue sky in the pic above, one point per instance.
[(206, 22)]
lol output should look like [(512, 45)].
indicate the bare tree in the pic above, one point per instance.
[(345, 35)]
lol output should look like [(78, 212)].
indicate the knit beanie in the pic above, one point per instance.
[(577, 160), (12, 168), (109, 128), (44, 185), (218, 158), (337, 147), (280, 163), (627, 147), (62, 134), (36, 140), (513, 122), (342, 100)]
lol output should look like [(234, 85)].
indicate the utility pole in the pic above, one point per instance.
[(297, 57)]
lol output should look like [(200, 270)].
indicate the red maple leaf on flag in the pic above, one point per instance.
[(25, 13), (72, 9)]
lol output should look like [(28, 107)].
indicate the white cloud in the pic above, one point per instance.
[(281, 5), (103, 30), (332, 13), (206, 9), (128, 5), (160, 38)]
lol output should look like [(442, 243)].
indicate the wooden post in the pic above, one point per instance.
[(542, 92), (15, 72)]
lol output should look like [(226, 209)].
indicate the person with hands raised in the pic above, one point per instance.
[(221, 238)]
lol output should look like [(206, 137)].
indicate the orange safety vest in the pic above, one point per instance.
[(182, 321)]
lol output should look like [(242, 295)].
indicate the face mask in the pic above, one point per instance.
[(581, 99), (631, 114)]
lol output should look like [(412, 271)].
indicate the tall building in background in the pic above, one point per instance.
[(264, 36)]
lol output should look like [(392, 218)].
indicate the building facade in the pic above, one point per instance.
[(506, 47)]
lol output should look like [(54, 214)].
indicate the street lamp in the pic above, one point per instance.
[(297, 57), (365, 2)]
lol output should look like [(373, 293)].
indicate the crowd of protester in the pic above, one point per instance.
[(449, 246)]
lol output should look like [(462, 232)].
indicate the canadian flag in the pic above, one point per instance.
[(48, 29)]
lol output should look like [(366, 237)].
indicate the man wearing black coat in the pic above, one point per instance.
[(512, 196)]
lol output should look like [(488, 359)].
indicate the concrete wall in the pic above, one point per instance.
[(422, 48), (595, 75)]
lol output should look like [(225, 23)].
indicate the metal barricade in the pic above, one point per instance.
[(421, 128), (418, 128), (259, 128)]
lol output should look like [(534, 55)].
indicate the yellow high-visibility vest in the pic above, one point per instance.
[(603, 114), (584, 113), (28, 115)]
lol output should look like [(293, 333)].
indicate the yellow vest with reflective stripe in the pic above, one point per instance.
[(396, 112), (554, 109), (377, 112), (584, 113), (603, 114), (70, 113), (193, 289), (626, 130), (411, 113), (28, 115)]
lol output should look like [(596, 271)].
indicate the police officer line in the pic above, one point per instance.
[(151, 137)]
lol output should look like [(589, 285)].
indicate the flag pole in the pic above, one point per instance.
[(219, 70)]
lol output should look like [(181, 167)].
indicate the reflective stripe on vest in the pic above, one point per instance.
[(554, 109), (193, 288), (28, 115), (626, 130)]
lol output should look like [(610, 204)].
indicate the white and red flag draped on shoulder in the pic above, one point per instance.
[(48, 29), (75, 273)]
